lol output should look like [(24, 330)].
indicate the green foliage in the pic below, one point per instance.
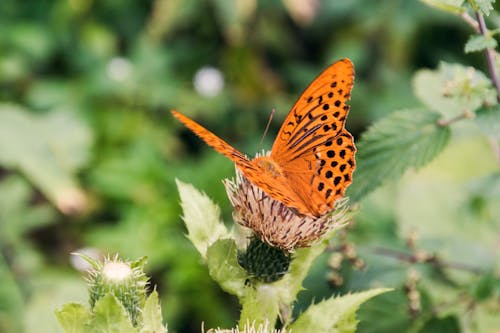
[(488, 120), (44, 150), (151, 315), (484, 6), (451, 6), (202, 218), (73, 317), (109, 315), (263, 300), (337, 314), (479, 43), (112, 286), (409, 138), (222, 261), (89, 154), (453, 89)]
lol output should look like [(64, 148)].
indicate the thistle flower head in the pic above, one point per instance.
[(273, 222)]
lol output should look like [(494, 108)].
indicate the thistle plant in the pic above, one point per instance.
[(118, 300), (265, 270)]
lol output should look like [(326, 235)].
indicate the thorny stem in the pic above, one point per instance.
[(431, 259), (490, 55)]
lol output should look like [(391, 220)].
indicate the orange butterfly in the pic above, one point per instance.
[(312, 159)]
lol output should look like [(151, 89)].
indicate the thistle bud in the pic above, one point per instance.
[(125, 280)]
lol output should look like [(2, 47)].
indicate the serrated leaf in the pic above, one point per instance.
[(48, 149), (222, 261), (260, 306), (479, 43), (488, 120), (110, 316), (451, 6), (152, 321), (485, 6), (202, 218), (303, 259), (453, 89), (73, 317), (336, 314), (404, 139)]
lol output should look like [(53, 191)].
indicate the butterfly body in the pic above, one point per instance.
[(312, 159)]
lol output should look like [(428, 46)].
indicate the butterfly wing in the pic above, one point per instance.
[(212, 140), (314, 150), (276, 187)]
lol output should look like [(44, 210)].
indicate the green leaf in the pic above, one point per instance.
[(451, 6), (484, 287), (152, 321), (453, 89), (485, 6), (202, 218), (336, 314), (408, 138), (302, 261), (438, 325), (479, 42), (222, 260), (110, 316), (49, 149), (260, 306), (73, 317), (488, 120)]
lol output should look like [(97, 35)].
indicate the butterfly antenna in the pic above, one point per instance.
[(267, 128)]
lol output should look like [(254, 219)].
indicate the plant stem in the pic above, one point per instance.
[(490, 56), (470, 20), (447, 122), (431, 259)]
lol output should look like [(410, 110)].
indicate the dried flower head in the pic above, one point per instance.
[(273, 222)]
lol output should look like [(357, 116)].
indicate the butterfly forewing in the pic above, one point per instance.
[(211, 139), (314, 150), (318, 114)]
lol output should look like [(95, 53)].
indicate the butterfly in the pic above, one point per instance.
[(312, 158)]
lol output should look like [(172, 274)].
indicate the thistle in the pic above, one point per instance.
[(125, 280), (277, 229)]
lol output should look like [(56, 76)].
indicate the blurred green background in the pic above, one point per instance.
[(89, 151)]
